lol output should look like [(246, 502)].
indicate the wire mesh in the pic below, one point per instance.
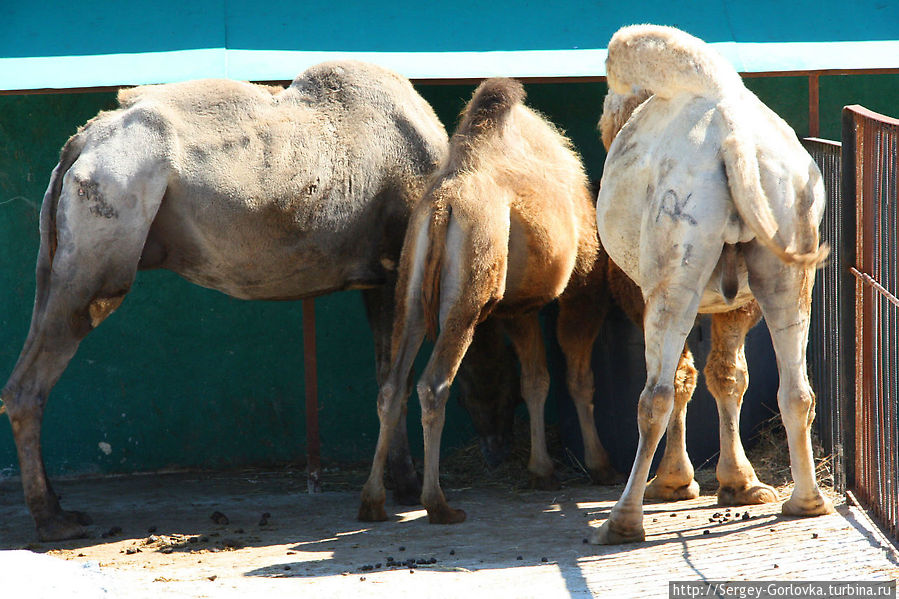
[(874, 164), (825, 342)]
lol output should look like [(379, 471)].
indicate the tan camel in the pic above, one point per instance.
[(506, 227), (708, 202), (258, 192)]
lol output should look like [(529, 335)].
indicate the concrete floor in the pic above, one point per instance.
[(313, 543)]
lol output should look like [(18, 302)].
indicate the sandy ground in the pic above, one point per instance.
[(154, 535)]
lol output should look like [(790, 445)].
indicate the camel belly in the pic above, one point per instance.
[(252, 256), (537, 271)]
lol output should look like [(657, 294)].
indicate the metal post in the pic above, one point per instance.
[(847, 296), (310, 366), (813, 121)]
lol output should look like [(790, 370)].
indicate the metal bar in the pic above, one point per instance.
[(310, 367), (847, 250), (869, 280), (813, 129)]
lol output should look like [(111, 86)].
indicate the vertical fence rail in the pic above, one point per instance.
[(873, 166), (830, 382)]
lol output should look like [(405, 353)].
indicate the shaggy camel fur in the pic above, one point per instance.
[(506, 227), (707, 202), (258, 192)]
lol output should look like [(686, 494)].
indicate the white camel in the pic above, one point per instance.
[(708, 202)]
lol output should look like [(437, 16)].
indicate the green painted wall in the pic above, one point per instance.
[(182, 376)]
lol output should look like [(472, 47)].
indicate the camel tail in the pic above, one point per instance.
[(489, 105), (753, 205), (433, 266), (67, 157)]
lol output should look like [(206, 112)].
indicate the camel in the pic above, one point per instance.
[(505, 227), (709, 204), (726, 373), (259, 192)]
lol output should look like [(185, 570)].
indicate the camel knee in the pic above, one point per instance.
[(685, 377), (433, 396), (655, 408), (726, 376), (797, 407), (20, 411), (387, 401)]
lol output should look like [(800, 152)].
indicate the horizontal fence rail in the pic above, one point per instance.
[(873, 166)]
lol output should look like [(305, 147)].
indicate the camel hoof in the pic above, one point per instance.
[(545, 483), (62, 526), (372, 511), (606, 476), (661, 492), (444, 514), (751, 495), (817, 506), (608, 535)]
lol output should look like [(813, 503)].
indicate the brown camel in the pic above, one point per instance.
[(505, 227)]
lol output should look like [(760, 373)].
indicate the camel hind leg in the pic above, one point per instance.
[(379, 307), (727, 377), (581, 314), (674, 477), (527, 338), (392, 398), (457, 331), (86, 265), (670, 311), (784, 295)]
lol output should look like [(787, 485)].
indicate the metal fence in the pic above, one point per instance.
[(870, 166), (826, 345)]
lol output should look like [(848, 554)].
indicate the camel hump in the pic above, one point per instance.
[(668, 62), (493, 99)]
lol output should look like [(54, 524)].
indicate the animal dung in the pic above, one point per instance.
[(219, 518)]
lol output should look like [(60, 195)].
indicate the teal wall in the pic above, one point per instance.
[(182, 376), (46, 28)]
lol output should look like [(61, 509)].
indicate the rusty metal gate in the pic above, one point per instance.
[(854, 342), (870, 183)]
